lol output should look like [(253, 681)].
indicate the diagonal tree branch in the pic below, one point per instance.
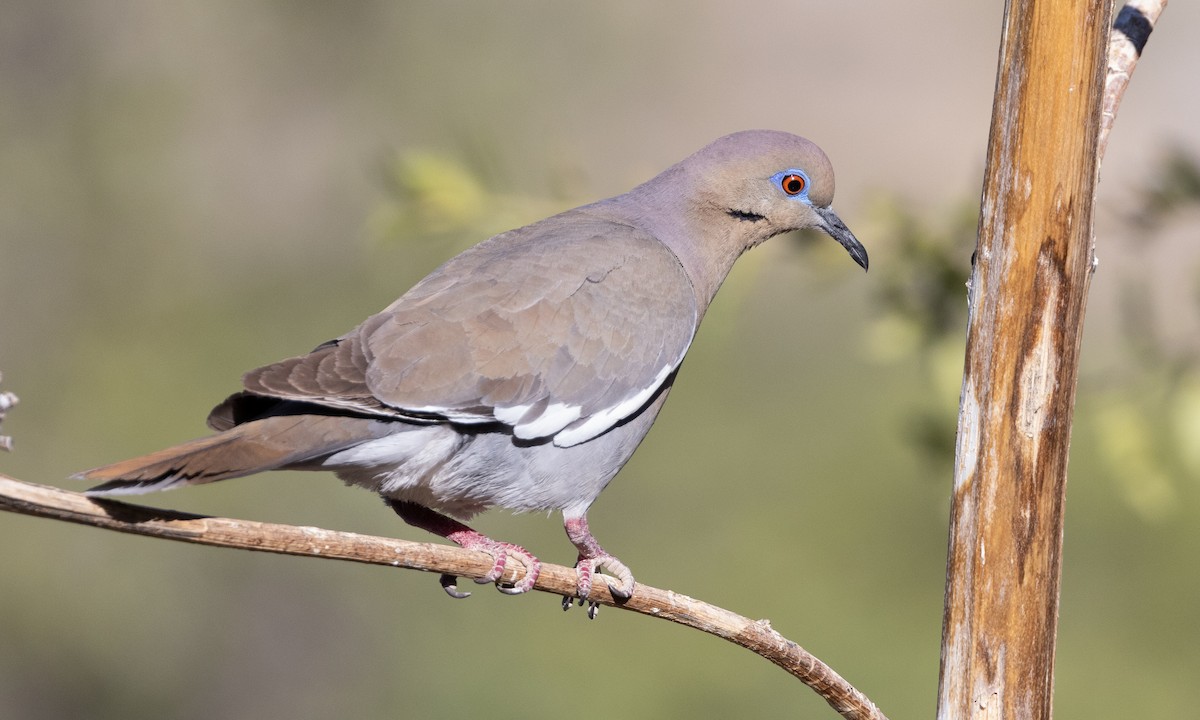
[(755, 635), (1131, 30)]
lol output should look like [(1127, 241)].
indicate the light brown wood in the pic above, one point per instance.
[(1027, 294)]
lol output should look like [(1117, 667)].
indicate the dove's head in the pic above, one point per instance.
[(731, 195), (766, 182)]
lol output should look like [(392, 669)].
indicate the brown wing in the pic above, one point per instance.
[(559, 329)]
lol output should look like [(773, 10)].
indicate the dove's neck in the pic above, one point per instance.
[(701, 234)]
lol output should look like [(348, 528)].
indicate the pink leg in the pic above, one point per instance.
[(591, 558), (463, 536)]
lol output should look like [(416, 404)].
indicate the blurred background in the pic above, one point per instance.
[(190, 190)]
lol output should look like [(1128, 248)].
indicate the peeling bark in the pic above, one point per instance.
[(1027, 295)]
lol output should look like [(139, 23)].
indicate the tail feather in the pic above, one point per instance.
[(266, 444)]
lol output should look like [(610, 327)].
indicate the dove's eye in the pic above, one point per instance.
[(793, 184)]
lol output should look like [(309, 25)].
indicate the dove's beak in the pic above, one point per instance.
[(837, 230)]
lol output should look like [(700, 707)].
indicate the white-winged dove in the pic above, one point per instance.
[(524, 372)]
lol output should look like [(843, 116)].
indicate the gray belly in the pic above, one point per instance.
[(461, 471)]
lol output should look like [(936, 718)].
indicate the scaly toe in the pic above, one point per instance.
[(624, 587), (584, 569), (499, 559), (620, 582), (533, 568)]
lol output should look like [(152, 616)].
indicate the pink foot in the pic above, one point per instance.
[(463, 536), (592, 557), (500, 552)]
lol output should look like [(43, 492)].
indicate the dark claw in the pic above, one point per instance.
[(593, 607), (509, 589), (449, 583)]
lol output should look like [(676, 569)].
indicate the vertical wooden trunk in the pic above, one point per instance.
[(1027, 294)]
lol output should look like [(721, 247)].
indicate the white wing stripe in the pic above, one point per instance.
[(554, 418), (601, 421), (511, 415)]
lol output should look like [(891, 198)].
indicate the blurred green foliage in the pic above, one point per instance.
[(1174, 188), (192, 190), (1147, 408), (1146, 423), (921, 298)]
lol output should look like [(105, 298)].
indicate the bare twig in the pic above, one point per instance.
[(756, 636), (1131, 30)]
